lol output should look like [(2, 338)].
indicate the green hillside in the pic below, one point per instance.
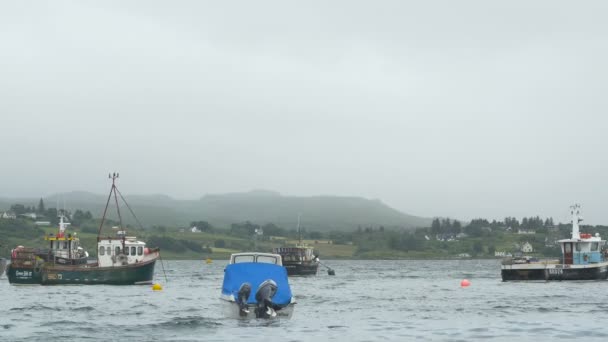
[(319, 213)]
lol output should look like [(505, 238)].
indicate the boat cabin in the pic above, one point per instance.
[(120, 251), (65, 249), (586, 250), (265, 258), (582, 248), (295, 254)]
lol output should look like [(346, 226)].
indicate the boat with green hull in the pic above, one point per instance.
[(121, 260)]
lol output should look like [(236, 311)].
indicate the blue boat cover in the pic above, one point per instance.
[(255, 273)]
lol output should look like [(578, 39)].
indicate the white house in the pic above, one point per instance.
[(526, 231), (29, 215), (8, 215), (526, 247), (502, 254), (195, 230)]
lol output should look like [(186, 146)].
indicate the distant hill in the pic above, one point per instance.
[(321, 213)]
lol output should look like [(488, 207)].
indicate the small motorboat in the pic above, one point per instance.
[(256, 286)]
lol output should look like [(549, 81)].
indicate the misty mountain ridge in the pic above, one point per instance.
[(321, 213)]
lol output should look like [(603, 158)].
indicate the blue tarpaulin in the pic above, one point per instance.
[(254, 274)]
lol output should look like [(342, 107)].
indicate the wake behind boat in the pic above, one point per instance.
[(256, 286), (121, 260), (583, 258)]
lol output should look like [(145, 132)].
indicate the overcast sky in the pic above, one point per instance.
[(438, 108)]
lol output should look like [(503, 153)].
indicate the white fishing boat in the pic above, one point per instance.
[(256, 286), (583, 258)]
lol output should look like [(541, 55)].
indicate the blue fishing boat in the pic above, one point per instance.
[(256, 286), (584, 257)]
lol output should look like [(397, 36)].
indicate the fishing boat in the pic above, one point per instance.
[(256, 286), (299, 259), (121, 259), (584, 257)]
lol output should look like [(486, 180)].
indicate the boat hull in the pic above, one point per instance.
[(302, 269), (135, 274), (548, 272), (26, 275), (231, 310)]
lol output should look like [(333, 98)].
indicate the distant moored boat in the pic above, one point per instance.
[(299, 259), (583, 258)]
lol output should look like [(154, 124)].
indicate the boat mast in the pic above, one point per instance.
[(113, 176), (575, 210), (299, 231)]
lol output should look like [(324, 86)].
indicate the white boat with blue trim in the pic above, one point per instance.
[(256, 286), (584, 257)]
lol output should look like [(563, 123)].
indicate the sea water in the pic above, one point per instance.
[(365, 301)]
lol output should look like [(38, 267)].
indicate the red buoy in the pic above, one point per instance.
[(465, 283)]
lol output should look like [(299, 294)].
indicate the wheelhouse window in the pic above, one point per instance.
[(568, 248), (267, 259), (140, 250), (126, 251), (117, 250), (577, 247), (243, 258), (65, 245), (102, 250), (133, 250), (595, 246), (109, 250)]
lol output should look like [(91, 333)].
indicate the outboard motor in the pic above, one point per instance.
[(266, 308), (242, 297)]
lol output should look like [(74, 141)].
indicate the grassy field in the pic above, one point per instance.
[(218, 245)]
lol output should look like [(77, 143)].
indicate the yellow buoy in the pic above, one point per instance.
[(157, 287), (208, 260)]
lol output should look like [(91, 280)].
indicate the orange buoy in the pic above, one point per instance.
[(465, 283)]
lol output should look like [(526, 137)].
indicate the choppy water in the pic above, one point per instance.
[(365, 301)]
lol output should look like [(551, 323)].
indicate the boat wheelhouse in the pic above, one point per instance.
[(256, 286), (298, 260), (120, 251), (583, 258), (65, 250)]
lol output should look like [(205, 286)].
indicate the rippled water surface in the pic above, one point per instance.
[(365, 301)]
